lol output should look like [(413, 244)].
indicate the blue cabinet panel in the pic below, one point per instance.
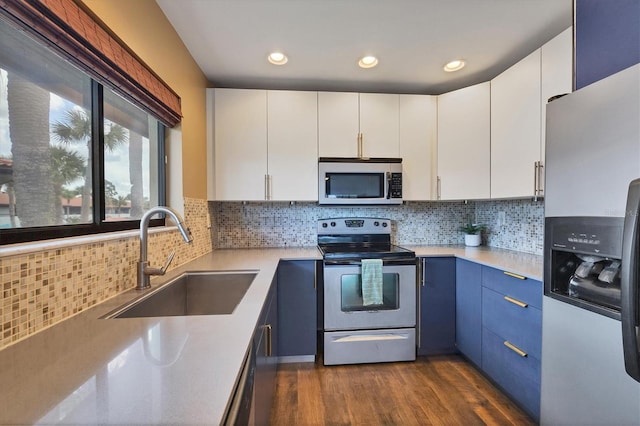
[(526, 290), (607, 38), (297, 308), (469, 310), (522, 326), (518, 375), (437, 306)]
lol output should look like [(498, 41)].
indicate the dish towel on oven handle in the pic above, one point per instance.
[(371, 282)]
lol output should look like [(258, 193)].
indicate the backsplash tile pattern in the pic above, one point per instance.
[(41, 288), (272, 224), (522, 228)]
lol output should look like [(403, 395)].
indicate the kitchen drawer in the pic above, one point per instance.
[(525, 289), (522, 326), (518, 375)]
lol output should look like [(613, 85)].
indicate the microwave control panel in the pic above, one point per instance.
[(395, 185)]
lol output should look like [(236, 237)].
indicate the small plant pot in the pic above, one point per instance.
[(472, 240)]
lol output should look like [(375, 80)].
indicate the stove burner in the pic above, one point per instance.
[(338, 239)]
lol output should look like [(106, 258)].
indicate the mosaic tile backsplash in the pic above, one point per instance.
[(43, 287), (283, 224)]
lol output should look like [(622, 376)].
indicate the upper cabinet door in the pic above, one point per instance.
[(515, 129), (338, 126), (240, 128), (418, 145), (557, 73), (380, 125), (464, 143), (293, 145)]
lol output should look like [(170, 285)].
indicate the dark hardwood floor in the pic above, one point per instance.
[(436, 390)]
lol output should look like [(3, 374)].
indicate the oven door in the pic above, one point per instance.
[(343, 305)]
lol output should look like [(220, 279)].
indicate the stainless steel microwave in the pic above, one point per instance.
[(359, 180)]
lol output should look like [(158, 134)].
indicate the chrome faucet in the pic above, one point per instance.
[(144, 270)]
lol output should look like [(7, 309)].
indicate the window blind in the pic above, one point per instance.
[(79, 36)]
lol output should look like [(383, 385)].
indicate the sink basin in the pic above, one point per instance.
[(193, 293)]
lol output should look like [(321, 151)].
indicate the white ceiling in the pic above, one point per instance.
[(413, 39)]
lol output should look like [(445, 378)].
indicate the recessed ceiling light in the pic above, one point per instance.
[(368, 62), (277, 58), (456, 65)]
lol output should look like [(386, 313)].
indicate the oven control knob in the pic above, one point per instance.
[(333, 224), (384, 224), (376, 223), (324, 224)]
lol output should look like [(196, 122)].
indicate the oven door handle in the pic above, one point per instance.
[(629, 282)]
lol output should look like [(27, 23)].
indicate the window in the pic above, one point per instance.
[(75, 157)]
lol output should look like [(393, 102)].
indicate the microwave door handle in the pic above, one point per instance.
[(388, 185), (629, 282)]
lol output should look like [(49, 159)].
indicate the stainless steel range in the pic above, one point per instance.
[(369, 292)]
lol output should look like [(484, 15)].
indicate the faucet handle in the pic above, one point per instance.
[(168, 262)]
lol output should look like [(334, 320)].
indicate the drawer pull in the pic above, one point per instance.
[(515, 348), (511, 274), (516, 302)]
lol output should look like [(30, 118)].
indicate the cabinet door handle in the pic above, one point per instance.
[(268, 347), (511, 274), (315, 276), (424, 272), (266, 187), (515, 349), (540, 175), (535, 180), (516, 302), (438, 186), (360, 145)]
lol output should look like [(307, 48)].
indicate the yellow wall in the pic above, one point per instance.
[(144, 28)]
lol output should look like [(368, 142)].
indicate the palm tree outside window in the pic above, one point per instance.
[(77, 158)]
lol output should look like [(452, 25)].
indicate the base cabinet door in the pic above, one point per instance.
[(297, 310), (469, 310), (512, 335), (515, 371), (437, 306), (266, 350)]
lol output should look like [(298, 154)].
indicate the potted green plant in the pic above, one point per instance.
[(472, 237)]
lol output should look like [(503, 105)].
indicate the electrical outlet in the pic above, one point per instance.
[(501, 219)]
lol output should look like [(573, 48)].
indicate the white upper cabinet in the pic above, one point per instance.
[(338, 124), (380, 125), (557, 73), (265, 145), (464, 143), (518, 116), (418, 145), (292, 131), (358, 125), (240, 147), (516, 130)]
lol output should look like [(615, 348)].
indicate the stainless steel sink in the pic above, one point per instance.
[(193, 293)]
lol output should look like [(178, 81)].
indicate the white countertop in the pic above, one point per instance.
[(170, 370), (526, 264)]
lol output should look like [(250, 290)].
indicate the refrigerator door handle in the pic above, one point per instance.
[(629, 282)]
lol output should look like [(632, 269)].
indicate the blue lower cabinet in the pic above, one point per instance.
[(469, 310), (297, 310), (513, 320), (516, 371), (512, 335), (437, 306)]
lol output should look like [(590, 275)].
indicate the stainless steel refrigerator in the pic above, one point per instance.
[(591, 255)]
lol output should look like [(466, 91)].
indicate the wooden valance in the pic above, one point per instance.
[(84, 40)]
